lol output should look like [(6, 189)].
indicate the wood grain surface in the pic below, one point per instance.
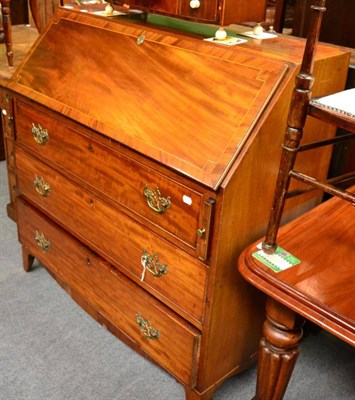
[(322, 287), (166, 84)]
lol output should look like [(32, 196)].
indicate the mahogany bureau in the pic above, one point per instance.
[(136, 158)]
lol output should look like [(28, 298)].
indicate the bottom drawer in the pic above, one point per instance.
[(163, 335)]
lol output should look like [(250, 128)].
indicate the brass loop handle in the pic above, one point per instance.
[(43, 243), (40, 135), (155, 200), (42, 187), (146, 328), (151, 264)]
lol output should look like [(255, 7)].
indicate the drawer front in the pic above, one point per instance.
[(170, 274), (10, 155), (206, 11), (162, 202), (165, 337), (170, 6)]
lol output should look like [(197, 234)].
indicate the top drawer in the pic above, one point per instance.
[(165, 205)]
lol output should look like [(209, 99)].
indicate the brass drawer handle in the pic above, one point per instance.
[(42, 187), (43, 243), (151, 264), (40, 135), (155, 201), (146, 328)]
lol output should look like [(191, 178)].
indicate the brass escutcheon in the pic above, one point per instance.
[(42, 187), (140, 39), (201, 232), (40, 135), (146, 328), (151, 264), (43, 243), (155, 200), (9, 122)]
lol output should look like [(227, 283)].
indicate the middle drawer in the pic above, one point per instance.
[(169, 273)]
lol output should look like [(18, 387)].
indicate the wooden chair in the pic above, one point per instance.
[(6, 23), (309, 273)]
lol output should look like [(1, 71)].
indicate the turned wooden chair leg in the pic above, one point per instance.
[(6, 23), (27, 259), (278, 351)]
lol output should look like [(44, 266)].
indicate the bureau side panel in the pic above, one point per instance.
[(237, 309)]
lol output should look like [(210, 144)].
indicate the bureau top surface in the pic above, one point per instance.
[(177, 99)]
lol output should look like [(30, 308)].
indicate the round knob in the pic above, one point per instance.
[(194, 4), (258, 30), (220, 34), (109, 9)]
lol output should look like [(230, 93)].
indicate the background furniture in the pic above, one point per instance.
[(223, 12), (42, 11), (19, 12), (6, 6), (6, 23), (337, 25), (280, 13), (321, 286)]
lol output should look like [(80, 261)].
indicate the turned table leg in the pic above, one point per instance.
[(27, 259), (6, 23), (278, 350)]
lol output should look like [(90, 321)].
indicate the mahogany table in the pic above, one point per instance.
[(321, 288)]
